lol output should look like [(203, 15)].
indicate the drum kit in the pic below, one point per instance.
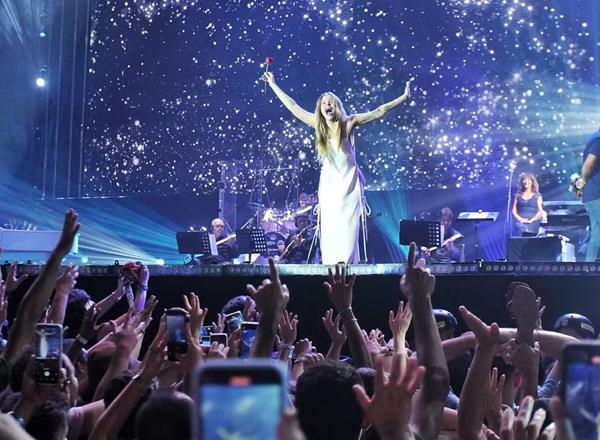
[(278, 224)]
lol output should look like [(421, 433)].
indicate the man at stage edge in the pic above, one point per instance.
[(226, 247), (590, 182)]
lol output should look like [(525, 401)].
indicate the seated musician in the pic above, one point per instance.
[(226, 245), (527, 209), (304, 201), (299, 242), (450, 251)]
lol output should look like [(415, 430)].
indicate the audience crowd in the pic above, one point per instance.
[(488, 383)]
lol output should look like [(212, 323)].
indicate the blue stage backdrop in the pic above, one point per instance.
[(172, 88)]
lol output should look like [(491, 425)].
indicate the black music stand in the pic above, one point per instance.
[(476, 217), (251, 241), (196, 243), (422, 232)]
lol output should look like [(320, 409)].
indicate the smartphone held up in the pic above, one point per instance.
[(48, 352), (240, 399), (580, 388), (176, 333)]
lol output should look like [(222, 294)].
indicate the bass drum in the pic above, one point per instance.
[(275, 244), (269, 222)]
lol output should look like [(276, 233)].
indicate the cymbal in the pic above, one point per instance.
[(255, 205)]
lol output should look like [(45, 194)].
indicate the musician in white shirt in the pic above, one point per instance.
[(226, 247)]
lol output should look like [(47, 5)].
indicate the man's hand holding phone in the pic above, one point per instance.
[(48, 353), (177, 324), (260, 384), (155, 355)]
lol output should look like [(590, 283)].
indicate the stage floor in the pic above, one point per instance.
[(453, 269), (563, 287)]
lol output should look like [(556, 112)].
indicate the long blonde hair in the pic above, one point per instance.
[(322, 131)]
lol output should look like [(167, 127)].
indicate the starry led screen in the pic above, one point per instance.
[(173, 89)]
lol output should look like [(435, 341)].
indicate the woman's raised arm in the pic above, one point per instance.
[(379, 112), (305, 116)]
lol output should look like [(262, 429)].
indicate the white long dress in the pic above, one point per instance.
[(340, 204)]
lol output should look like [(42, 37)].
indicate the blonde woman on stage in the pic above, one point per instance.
[(341, 183)]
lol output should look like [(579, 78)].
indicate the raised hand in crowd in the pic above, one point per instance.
[(375, 343), (302, 348), (271, 299), (564, 429), (477, 383), (219, 326), (389, 410), (194, 356), (526, 360), (271, 295), (417, 281), (142, 276), (288, 332), (250, 312), (493, 400), (124, 339), (191, 303), (399, 324), (67, 280), (339, 290), (87, 332), (311, 360), (12, 281), (64, 284), (113, 418), (418, 285), (37, 297), (217, 351), (3, 303), (33, 396), (109, 301), (145, 316), (337, 335), (526, 425), (233, 343)]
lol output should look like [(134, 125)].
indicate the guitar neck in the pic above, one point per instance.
[(229, 237)]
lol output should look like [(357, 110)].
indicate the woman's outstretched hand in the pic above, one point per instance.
[(407, 89), (268, 77)]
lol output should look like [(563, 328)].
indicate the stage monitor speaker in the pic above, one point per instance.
[(539, 249)]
